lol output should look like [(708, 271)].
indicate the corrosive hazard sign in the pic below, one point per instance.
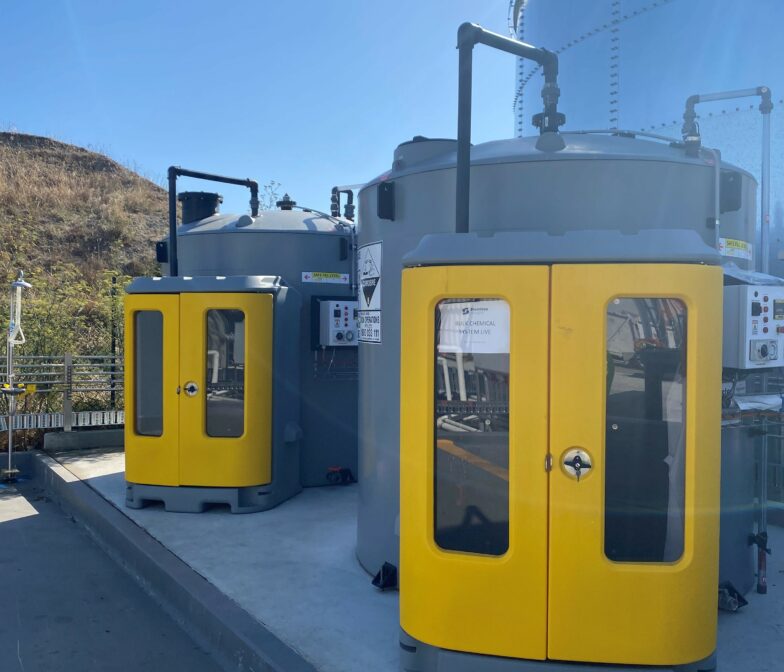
[(369, 274)]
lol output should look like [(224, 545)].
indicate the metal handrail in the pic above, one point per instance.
[(71, 376)]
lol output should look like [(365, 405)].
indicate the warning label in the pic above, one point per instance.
[(321, 276), (730, 247), (369, 274)]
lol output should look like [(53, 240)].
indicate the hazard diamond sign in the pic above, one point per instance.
[(369, 275)]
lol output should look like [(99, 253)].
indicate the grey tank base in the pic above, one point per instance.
[(418, 657), (183, 499)]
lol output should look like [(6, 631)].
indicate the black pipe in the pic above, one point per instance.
[(548, 121), (335, 203), (176, 171), (173, 270)]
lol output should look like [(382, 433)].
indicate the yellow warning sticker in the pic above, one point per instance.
[(730, 247), (326, 277)]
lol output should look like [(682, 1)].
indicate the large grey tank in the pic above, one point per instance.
[(595, 181), (313, 253)]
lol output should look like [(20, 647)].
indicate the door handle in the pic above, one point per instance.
[(191, 388), (576, 462)]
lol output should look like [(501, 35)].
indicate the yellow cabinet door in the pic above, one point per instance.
[(226, 382), (152, 344), (635, 393), (473, 494)]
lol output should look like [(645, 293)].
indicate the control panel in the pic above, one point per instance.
[(337, 323), (753, 326)]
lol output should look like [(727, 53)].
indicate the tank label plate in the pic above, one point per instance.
[(369, 274), (730, 247), (329, 278)]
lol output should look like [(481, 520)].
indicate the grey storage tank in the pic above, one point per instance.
[(312, 252), (553, 183)]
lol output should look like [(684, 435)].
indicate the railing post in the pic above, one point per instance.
[(112, 377), (68, 393)]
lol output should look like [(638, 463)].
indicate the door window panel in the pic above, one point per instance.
[(148, 373), (225, 383), (645, 430), (472, 426)]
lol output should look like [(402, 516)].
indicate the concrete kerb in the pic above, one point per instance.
[(237, 640)]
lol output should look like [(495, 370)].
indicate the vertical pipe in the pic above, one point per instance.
[(462, 197), (447, 382), (461, 386), (113, 370), (765, 192), (10, 397), (67, 393), (173, 269), (762, 524), (716, 196)]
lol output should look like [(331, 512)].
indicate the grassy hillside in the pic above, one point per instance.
[(61, 204), (72, 219)]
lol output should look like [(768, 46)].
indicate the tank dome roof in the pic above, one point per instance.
[(291, 221), (577, 146)]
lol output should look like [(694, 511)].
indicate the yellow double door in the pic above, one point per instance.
[(504, 550), (198, 389)]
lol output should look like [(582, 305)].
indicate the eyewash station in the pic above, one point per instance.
[(515, 353), (11, 390)]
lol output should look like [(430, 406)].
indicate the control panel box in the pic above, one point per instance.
[(337, 323), (753, 326)]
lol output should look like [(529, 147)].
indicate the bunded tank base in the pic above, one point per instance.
[(418, 657), (183, 499)]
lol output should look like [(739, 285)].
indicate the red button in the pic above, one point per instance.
[(764, 330), (764, 298), (764, 309), (764, 319), (780, 330)]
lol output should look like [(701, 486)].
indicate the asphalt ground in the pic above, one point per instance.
[(65, 606)]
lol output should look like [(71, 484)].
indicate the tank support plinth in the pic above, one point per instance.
[(418, 657)]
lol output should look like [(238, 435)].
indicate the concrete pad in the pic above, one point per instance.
[(293, 568)]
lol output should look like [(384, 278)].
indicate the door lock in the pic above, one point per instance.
[(191, 388), (576, 462)]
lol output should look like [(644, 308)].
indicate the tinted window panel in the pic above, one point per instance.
[(472, 426), (148, 373), (645, 425), (225, 382)]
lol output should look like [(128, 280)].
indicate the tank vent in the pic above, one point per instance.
[(286, 203), (198, 205)]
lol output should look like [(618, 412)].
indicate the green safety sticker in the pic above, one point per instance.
[(730, 247), (326, 277)]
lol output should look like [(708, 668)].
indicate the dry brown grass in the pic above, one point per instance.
[(61, 204)]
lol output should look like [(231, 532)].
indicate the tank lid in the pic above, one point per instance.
[(198, 205), (286, 203), (420, 149)]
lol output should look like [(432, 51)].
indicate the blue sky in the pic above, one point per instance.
[(313, 94)]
